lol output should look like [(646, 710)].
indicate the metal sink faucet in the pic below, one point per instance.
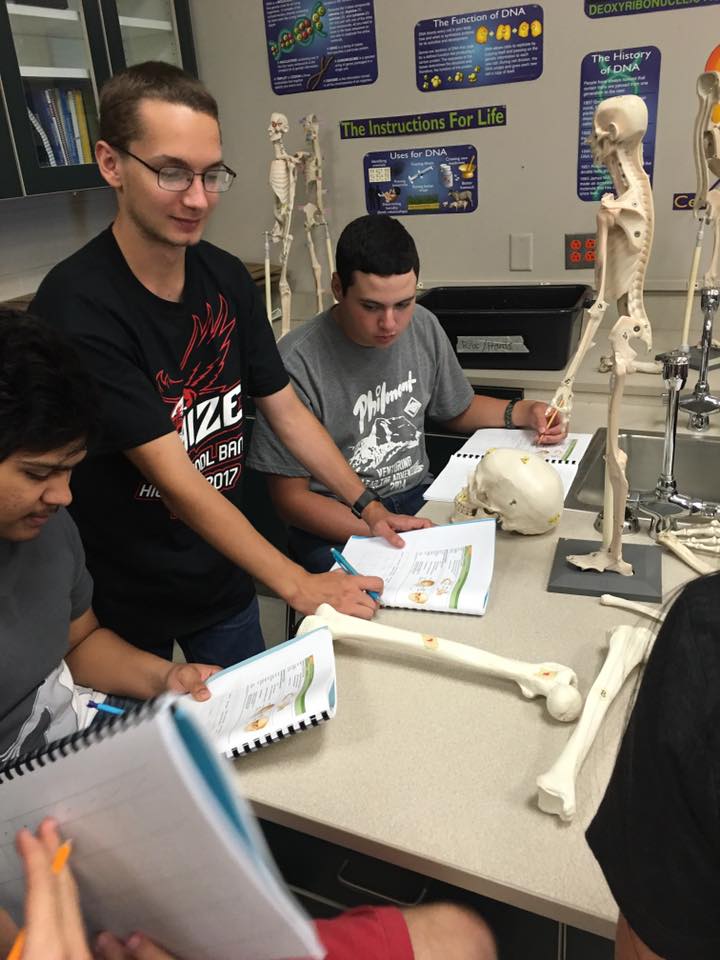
[(701, 403)]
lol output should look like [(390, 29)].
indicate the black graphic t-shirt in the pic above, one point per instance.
[(187, 366)]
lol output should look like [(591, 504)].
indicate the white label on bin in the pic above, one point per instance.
[(510, 344)]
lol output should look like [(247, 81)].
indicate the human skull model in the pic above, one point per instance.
[(278, 126), (622, 119), (520, 489)]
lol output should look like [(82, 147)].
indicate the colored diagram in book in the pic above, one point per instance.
[(284, 691), (437, 577)]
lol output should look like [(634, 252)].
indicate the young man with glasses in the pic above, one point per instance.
[(174, 332)]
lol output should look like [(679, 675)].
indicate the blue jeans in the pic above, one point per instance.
[(313, 552), (225, 643)]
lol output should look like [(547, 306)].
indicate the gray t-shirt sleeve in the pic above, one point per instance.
[(452, 394), (267, 453)]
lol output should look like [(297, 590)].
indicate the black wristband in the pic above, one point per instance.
[(366, 497), (507, 417)]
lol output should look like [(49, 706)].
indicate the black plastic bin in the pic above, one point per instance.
[(525, 327)]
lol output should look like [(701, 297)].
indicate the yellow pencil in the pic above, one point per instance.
[(59, 861)]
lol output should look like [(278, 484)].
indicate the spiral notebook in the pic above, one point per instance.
[(565, 457), (266, 698), (447, 568), (162, 840)]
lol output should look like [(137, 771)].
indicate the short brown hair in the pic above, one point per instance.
[(152, 80)]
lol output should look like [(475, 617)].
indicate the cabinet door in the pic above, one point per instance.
[(139, 30), (52, 61), (10, 185)]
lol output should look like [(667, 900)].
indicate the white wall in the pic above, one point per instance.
[(527, 170)]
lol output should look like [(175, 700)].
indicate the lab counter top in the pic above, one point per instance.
[(590, 381), (434, 768)]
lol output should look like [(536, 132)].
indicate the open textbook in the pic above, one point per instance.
[(284, 689), (565, 457), (162, 840), (446, 568)]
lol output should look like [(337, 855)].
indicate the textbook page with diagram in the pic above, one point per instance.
[(446, 569), (565, 457), (282, 690)]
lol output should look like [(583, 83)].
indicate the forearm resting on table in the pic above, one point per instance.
[(186, 492), (323, 516), (100, 659)]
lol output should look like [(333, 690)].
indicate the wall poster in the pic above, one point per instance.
[(422, 180), (320, 44), (619, 8), (610, 73), (504, 45)]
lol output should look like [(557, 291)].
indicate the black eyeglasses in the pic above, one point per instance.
[(215, 180)]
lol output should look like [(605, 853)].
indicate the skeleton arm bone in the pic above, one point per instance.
[(608, 600), (628, 647), (563, 398), (551, 680), (669, 540)]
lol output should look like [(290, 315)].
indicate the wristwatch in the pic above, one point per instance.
[(507, 418), (366, 497)]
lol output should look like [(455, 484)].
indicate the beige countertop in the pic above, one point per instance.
[(589, 379), (435, 769)]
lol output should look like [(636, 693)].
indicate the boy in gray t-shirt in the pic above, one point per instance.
[(370, 369), (53, 653)]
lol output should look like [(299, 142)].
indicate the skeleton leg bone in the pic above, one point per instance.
[(628, 647), (610, 557), (551, 680), (310, 211)]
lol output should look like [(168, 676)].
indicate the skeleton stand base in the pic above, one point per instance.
[(645, 584)]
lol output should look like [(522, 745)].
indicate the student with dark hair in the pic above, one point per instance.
[(51, 639), (656, 834), (370, 369), (174, 332)]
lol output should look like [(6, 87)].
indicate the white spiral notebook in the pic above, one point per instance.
[(162, 840), (447, 568), (279, 692), (565, 457)]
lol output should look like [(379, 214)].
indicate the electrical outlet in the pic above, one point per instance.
[(580, 251)]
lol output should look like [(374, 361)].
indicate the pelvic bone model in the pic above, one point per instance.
[(551, 680), (520, 489), (314, 208), (625, 232), (283, 180), (629, 646)]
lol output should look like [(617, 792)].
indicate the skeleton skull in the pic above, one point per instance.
[(617, 120), (523, 491), (278, 126)]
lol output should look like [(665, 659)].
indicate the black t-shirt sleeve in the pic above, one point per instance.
[(266, 372), (656, 834), (131, 410)]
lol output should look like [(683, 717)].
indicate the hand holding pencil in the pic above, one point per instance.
[(53, 922), (549, 423)]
